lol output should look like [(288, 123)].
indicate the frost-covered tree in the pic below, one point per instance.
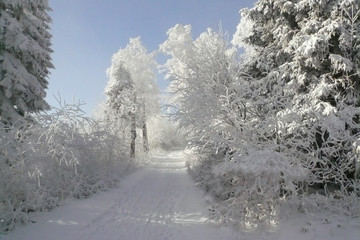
[(24, 57), (131, 90), (219, 106), (202, 76), (306, 65), (283, 114), (121, 99)]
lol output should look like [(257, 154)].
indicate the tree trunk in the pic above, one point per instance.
[(144, 130), (133, 130), (133, 136)]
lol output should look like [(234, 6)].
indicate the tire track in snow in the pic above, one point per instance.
[(145, 210)]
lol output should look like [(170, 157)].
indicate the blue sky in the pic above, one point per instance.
[(86, 33)]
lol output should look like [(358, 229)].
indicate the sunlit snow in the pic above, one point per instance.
[(161, 202), (158, 202)]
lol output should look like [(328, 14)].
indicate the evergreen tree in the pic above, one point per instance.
[(306, 65), (24, 57)]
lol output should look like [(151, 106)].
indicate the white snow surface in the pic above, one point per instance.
[(161, 202), (157, 202)]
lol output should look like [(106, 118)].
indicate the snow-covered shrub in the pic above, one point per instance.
[(200, 167), (15, 183), (61, 154), (335, 202), (249, 190), (258, 184)]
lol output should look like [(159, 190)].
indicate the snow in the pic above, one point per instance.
[(339, 63), (160, 201)]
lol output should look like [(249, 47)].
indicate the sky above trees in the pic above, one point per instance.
[(87, 33)]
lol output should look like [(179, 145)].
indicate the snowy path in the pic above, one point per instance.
[(155, 203)]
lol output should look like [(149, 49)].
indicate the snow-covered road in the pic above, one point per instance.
[(157, 202)]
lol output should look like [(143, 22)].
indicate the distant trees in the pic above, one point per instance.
[(24, 58), (132, 94)]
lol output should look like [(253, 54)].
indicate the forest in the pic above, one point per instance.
[(269, 117)]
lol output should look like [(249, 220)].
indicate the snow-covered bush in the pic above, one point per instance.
[(258, 184), (248, 191), (61, 154)]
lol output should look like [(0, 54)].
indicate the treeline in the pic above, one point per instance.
[(273, 115), (46, 157)]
